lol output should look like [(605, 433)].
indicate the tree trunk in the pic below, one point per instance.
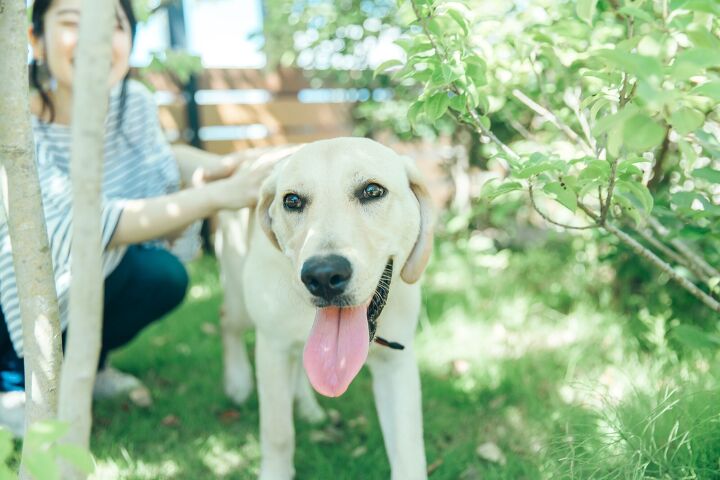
[(90, 104), (26, 221)]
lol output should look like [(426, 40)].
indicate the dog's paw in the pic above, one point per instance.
[(238, 388), (275, 472)]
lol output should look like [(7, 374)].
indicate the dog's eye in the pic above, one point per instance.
[(372, 190), (292, 201)]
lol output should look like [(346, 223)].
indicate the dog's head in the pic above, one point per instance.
[(346, 212)]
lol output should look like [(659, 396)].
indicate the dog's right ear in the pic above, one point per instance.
[(420, 254), (265, 200)]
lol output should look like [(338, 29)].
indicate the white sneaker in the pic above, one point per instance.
[(110, 383), (12, 412)]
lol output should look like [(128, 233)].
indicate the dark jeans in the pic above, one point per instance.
[(148, 283)]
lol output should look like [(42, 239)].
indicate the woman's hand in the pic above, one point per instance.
[(225, 167), (243, 185), (229, 164)]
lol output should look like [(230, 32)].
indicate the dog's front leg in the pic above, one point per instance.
[(396, 386), (275, 389)]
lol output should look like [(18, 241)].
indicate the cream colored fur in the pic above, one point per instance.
[(263, 290)]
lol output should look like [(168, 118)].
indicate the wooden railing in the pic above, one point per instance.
[(250, 108)]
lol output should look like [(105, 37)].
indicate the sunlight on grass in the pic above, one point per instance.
[(110, 470), (222, 459)]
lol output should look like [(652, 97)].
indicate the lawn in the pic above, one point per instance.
[(527, 372)]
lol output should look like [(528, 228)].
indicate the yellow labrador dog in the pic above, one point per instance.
[(329, 283)]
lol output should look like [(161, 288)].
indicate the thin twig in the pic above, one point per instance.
[(684, 249), (669, 252), (605, 207), (585, 126), (657, 169), (645, 253), (552, 118), (625, 96)]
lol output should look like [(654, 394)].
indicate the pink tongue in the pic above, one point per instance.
[(336, 348)]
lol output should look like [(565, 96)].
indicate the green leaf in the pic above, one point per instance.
[(562, 194), (78, 456), (614, 120), (707, 6), (628, 207), (708, 89), (641, 133), (585, 9), (477, 72), (485, 122), (694, 61), (6, 444), (437, 105), (529, 169), (457, 103), (387, 65), (687, 151), (686, 120), (683, 200), (42, 465), (415, 110), (588, 187), (460, 20), (627, 167), (707, 173), (637, 13), (615, 141), (503, 189), (639, 191), (702, 38), (435, 27), (639, 65), (46, 432)]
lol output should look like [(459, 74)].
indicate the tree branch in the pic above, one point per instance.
[(605, 207), (552, 118), (659, 160), (645, 253), (667, 251), (684, 249)]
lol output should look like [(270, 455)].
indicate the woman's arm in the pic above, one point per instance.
[(198, 166), (156, 217), (193, 163)]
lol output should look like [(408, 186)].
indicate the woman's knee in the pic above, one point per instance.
[(172, 277), (161, 275)]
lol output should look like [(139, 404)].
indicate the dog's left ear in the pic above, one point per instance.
[(420, 254), (266, 197)]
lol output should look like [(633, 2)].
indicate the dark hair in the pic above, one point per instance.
[(39, 9)]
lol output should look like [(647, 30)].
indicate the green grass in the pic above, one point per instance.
[(517, 349)]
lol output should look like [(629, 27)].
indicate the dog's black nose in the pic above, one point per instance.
[(327, 276)]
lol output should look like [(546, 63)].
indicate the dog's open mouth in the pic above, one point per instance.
[(338, 344)]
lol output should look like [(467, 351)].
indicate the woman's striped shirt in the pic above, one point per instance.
[(138, 164)]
